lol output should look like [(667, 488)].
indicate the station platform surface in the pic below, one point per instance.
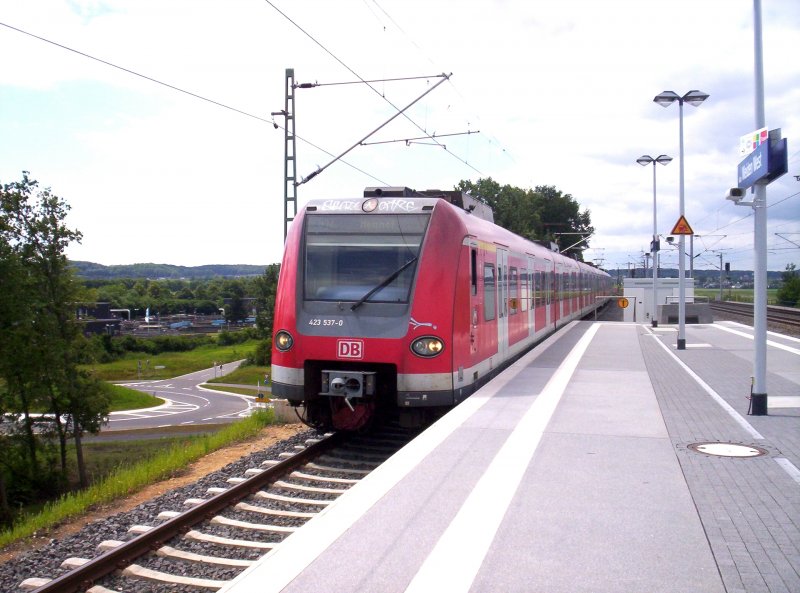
[(577, 470)]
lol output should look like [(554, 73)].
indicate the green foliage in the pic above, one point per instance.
[(789, 292), (244, 375), (130, 476), (236, 310), (265, 289), (41, 344), (137, 365), (225, 338), (122, 398), (88, 270), (542, 214)]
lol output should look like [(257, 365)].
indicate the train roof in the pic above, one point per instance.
[(458, 198), (405, 200)]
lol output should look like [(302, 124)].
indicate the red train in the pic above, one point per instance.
[(411, 300)]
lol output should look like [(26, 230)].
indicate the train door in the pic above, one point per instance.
[(474, 299), (559, 292), (502, 303), (547, 286), (529, 295)]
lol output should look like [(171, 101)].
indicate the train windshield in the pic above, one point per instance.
[(362, 258)]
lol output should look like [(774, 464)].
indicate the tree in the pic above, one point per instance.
[(540, 214), (265, 289), (38, 355), (789, 293), (236, 310)]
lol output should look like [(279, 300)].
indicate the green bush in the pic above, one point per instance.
[(789, 294)]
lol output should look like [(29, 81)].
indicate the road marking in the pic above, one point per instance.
[(769, 342), (458, 555), (716, 396), (789, 468)]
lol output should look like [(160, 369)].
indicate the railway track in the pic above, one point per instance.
[(779, 318), (207, 541)]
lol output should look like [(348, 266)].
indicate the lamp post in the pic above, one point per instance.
[(644, 160), (666, 99)]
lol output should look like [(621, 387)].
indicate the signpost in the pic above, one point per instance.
[(766, 160)]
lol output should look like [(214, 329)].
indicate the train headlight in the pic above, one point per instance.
[(427, 346), (283, 341), (369, 205)]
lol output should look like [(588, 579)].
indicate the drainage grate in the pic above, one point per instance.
[(728, 449)]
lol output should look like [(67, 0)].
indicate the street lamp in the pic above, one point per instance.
[(666, 99), (644, 160)]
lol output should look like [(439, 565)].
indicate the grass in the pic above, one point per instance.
[(136, 365), (248, 375), (129, 477), (240, 390), (742, 295), (123, 398)]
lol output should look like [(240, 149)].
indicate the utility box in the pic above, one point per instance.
[(639, 292)]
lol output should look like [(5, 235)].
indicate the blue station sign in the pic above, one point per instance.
[(765, 164), (754, 166)]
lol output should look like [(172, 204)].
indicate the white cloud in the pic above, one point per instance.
[(561, 92)]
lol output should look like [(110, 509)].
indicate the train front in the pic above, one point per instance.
[(345, 341)]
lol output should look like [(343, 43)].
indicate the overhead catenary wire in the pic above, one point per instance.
[(185, 92), (376, 91), (491, 139), (399, 113), (409, 140)]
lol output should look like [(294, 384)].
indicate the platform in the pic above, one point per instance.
[(575, 471)]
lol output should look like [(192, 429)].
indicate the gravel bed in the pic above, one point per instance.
[(46, 561), (253, 535), (251, 517), (206, 549), (187, 568)]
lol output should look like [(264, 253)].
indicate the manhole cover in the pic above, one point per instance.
[(728, 449)]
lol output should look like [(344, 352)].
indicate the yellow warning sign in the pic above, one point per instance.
[(682, 227), (622, 303)]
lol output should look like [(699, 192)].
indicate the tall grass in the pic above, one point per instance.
[(127, 479), (138, 365)]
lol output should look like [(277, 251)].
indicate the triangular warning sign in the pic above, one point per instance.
[(682, 227)]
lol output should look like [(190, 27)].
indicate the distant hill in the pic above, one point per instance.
[(89, 270)]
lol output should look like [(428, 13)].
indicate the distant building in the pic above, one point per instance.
[(97, 318)]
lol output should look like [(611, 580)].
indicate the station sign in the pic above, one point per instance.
[(768, 161), (749, 142), (753, 167)]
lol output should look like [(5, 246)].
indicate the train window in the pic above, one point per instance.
[(349, 257), (474, 271), (513, 293), (489, 295)]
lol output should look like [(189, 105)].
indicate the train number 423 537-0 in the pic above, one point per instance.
[(326, 322)]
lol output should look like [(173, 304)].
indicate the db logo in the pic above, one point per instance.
[(350, 349)]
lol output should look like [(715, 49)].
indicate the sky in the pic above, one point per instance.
[(553, 92)]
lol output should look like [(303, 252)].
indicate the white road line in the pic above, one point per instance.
[(716, 396), (789, 468), (769, 342), (459, 553), (776, 334)]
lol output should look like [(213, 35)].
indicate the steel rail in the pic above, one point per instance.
[(786, 315), (85, 576)]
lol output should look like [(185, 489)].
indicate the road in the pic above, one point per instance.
[(186, 403)]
